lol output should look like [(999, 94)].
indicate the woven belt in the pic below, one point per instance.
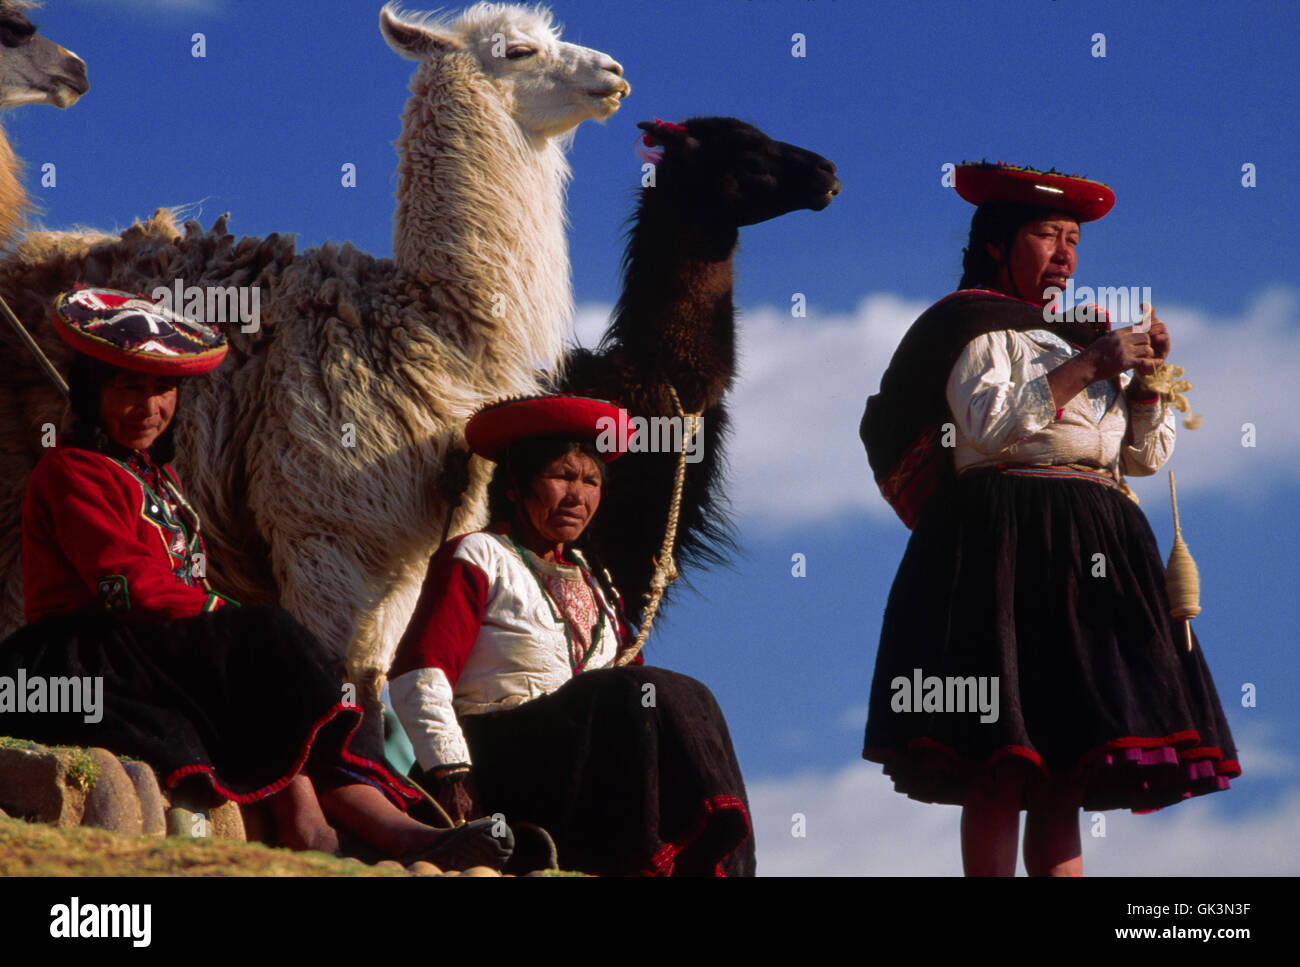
[(1069, 471)]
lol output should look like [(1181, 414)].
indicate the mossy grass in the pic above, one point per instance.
[(82, 770), (36, 849)]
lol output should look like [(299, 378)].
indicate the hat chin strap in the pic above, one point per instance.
[(1005, 263)]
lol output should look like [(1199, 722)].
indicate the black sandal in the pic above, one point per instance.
[(470, 844)]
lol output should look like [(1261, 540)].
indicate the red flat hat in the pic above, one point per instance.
[(1085, 200), (133, 333), (496, 426)]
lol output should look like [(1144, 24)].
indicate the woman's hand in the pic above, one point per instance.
[(458, 795), (1160, 342), (1125, 349), (1140, 350), (1140, 387)]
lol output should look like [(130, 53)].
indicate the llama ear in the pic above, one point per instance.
[(414, 41)]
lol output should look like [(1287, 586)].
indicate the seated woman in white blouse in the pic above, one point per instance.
[(508, 685), (1032, 592)]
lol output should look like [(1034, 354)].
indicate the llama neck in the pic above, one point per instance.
[(675, 318), (480, 224), (13, 197)]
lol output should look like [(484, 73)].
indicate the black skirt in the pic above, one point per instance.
[(235, 702), (1028, 629), (628, 780)]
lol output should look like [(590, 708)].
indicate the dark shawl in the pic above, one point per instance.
[(902, 425)]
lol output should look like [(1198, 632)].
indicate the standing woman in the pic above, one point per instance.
[(999, 436), (224, 702), (503, 680)]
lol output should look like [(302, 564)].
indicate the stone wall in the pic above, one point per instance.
[(68, 787)]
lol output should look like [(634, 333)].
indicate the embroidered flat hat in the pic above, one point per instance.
[(984, 182), (131, 332), (496, 426)]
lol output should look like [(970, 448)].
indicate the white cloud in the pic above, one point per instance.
[(591, 322), (851, 718), (796, 457), (1259, 749), (803, 384), (856, 825)]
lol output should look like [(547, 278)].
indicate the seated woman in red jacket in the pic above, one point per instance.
[(224, 701)]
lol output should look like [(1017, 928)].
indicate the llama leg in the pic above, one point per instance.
[(377, 638), (324, 588)]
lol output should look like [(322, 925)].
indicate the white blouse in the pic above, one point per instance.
[(520, 651), (1003, 412)]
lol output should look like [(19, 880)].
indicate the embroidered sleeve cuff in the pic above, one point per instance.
[(1152, 431), (455, 771), (215, 601), (422, 700), (1144, 416)]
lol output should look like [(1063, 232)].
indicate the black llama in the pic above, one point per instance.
[(675, 325)]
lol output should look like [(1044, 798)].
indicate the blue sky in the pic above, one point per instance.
[(1186, 94)]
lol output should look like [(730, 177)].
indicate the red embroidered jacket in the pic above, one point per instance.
[(107, 533)]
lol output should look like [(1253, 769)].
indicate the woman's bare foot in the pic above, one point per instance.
[(320, 838), (299, 822)]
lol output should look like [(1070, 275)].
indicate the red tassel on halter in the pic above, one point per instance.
[(649, 141)]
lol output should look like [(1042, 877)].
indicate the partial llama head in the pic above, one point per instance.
[(546, 85), (730, 173), (33, 70)]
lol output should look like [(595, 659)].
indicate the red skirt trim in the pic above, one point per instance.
[(395, 788), (1184, 744), (664, 861)]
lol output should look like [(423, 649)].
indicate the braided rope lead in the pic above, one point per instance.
[(665, 565), (55, 377)]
